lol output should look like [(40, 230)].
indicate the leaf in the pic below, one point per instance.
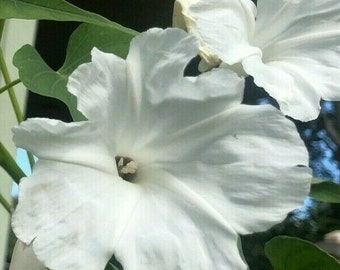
[(56, 10), (326, 191), (37, 76), (110, 266), (41, 79), (290, 253), (88, 36)]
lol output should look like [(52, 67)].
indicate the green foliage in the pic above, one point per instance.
[(321, 219), (326, 191), (290, 253), (37, 76), (57, 10), (87, 36), (111, 267)]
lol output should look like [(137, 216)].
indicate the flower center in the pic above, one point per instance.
[(127, 168)]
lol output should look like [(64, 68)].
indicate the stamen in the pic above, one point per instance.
[(127, 168), (121, 162), (131, 168)]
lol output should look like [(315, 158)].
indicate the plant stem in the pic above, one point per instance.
[(11, 93), (9, 165), (12, 96), (2, 26), (30, 159), (6, 87), (6, 204)]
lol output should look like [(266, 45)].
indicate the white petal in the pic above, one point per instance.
[(169, 102), (181, 106), (104, 96), (226, 27), (23, 258), (302, 41), (300, 46), (250, 168), (285, 81), (183, 19), (79, 143), (180, 17), (157, 59), (95, 84), (296, 22), (72, 215), (176, 231), (114, 92)]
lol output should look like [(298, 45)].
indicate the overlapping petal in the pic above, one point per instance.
[(182, 19), (302, 43), (289, 47), (192, 141), (231, 26)]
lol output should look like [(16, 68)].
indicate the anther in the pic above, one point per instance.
[(127, 168)]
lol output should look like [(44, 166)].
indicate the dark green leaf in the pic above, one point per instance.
[(57, 10), (290, 253), (41, 79), (111, 267), (88, 36), (326, 192), (37, 76)]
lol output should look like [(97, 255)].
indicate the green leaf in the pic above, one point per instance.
[(110, 266), (290, 253), (88, 36), (326, 191), (37, 76), (56, 10)]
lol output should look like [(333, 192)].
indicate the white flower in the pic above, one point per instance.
[(199, 166), (291, 48), (183, 20)]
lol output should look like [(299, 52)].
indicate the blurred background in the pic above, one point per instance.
[(16, 34), (321, 136)]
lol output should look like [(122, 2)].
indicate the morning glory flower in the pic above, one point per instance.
[(290, 47), (166, 172)]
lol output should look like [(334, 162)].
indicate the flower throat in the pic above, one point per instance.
[(127, 168)]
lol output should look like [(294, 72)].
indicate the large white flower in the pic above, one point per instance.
[(290, 47), (199, 167)]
